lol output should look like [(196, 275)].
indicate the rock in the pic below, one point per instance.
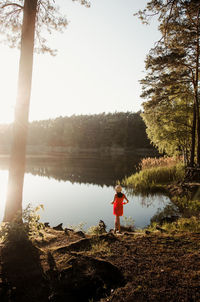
[(109, 237), (46, 224), (58, 227), (102, 226), (66, 231), (80, 233), (80, 245)]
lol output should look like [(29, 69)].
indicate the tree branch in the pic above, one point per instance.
[(12, 4)]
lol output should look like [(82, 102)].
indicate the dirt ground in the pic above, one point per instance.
[(74, 267)]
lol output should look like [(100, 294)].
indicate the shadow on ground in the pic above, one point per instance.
[(22, 277)]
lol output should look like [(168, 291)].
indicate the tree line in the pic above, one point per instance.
[(120, 129)]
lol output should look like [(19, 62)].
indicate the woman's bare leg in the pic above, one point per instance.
[(117, 223), (119, 227)]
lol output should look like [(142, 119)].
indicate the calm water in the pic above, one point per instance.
[(80, 190)]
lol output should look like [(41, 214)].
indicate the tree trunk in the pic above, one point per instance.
[(193, 134), (20, 126), (198, 133), (197, 92)]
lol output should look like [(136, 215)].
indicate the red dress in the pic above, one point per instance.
[(118, 204)]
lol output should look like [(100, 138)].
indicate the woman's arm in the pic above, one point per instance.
[(113, 200), (126, 199)]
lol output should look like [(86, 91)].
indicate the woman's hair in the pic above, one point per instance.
[(120, 194), (118, 188)]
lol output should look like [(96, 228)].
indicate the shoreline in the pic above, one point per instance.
[(85, 154)]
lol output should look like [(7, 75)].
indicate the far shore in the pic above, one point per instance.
[(57, 152)]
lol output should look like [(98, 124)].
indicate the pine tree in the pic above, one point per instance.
[(21, 21), (173, 64)]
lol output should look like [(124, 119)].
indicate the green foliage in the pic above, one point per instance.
[(171, 86), (120, 129), (91, 131), (169, 125), (28, 229), (169, 210), (152, 179), (95, 230), (189, 210), (187, 207), (49, 19), (191, 224)]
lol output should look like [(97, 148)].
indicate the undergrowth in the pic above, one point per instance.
[(27, 229), (191, 225), (189, 221)]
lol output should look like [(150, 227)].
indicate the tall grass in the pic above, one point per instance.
[(155, 174), (153, 162)]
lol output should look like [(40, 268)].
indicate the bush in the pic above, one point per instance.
[(17, 231), (191, 224), (187, 207), (128, 224)]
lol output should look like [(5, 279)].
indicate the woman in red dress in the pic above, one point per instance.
[(118, 203)]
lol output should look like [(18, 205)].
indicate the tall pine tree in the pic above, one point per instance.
[(173, 65), (21, 21)]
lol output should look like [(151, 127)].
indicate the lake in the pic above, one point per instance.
[(79, 190)]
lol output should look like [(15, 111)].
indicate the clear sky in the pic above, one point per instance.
[(97, 69)]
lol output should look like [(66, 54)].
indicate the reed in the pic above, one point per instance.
[(155, 174), (153, 162)]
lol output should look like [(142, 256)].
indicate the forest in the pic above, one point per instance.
[(125, 130)]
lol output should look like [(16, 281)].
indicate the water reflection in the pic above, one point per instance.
[(98, 170), (80, 190), (169, 213)]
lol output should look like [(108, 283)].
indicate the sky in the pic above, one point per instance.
[(99, 63)]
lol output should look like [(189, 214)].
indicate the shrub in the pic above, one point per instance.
[(191, 224), (128, 224), (187, 207), (17, 231)]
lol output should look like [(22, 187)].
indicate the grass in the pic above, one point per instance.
[(155, 174), (188, 208), (100, 247), (153, 162), (188, 225)]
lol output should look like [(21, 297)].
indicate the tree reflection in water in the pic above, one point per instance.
[(96, 170)]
